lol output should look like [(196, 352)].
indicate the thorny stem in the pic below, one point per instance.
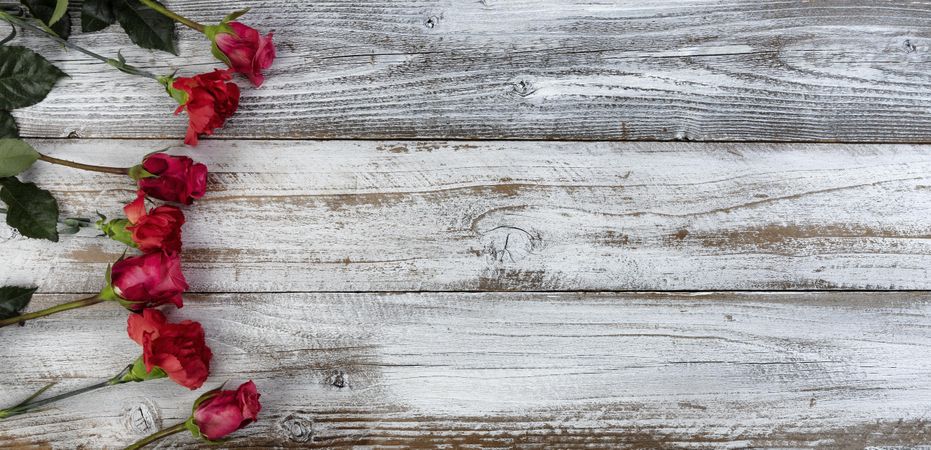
[(55, 309), (117, 63), (29, 405), (90, 167), (156, 436)]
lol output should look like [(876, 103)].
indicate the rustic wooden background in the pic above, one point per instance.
[(484, 223)]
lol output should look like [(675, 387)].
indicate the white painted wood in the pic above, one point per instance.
[(837, 70), (454, 216), (709, 370)]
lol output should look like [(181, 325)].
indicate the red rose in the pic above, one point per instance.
[(177, 178), (220, 413), (245, 50), (179, 349), (209, 98), (157, 230), (149, 280)]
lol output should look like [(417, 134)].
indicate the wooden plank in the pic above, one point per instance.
[(639, 370), (458, 216), (724, 70)]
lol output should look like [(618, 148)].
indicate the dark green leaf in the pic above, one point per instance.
[(97, 15), (25, 77), (8, 127), (13, 300), (32, 211), (44, 10), (146, 27), (15, 157)]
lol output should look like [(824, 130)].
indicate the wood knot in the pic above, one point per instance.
[(522, 88), (297, 428), (506, 245), (431, 22), (909, 47), (338, 379), (141, 416)]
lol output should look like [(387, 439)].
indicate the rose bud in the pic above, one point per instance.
[(146, 281), (219, 413), (179, 349), (171, 178), (215, 415), (159, 229), (209, 99), (243, 49)]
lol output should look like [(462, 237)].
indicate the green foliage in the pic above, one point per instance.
[(32, 211), (25, 77), (14, 299), (146, 27), (8, 127), (15, 157), (97, 15), (53, 13)]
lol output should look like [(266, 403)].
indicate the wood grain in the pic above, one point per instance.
[(719, 70), (503, 216), (571, 370)]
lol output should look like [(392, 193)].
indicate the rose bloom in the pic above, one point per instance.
[(210, 98), (156, 230), (179, 349), (177, 178), (246, 51), (149, 280), (220, 413)]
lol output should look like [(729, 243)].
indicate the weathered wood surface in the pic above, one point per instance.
[(836, 70), (295, 251), (708, 370), (492, 216)]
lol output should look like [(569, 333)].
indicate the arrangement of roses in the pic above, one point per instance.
[(151, 277)]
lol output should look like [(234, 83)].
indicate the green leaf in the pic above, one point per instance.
[(146, 27), (46, 10), (25, 77), (97, 15), (14, 299), (61, 8), (139, 373), (8, 127), (116, 230), (235, 15), (35, 395), (32, 211), (15, 157)]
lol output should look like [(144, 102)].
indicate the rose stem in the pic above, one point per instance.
[(173, 15), (55, 309), (156, 436), (77, 165), (29, 405), (120, 65)]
